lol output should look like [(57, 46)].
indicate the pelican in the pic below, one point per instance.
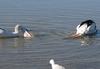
[(19, 31), (87, 27), (55, 66)]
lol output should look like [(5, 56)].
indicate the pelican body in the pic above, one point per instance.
[(87, 27), (55, 66), (19, 31)]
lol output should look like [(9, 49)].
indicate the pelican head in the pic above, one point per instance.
[(55, 66), (22, 31), (52, 61), (87, 27)]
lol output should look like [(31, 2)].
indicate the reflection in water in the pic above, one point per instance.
[(15, 42), (87, 40), (18, 42), (84, 40), (2, 43)]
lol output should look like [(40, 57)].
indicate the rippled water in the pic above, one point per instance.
[(51, 21)]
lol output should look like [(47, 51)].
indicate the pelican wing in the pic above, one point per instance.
[(2, 31), (81, 29), (57, 66)]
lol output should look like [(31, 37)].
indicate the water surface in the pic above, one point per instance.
[(51, 20)]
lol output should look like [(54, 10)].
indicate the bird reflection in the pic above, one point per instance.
[(15, 42), (87, 40), (18, 42)]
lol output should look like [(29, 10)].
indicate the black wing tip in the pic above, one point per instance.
[(88, 22)]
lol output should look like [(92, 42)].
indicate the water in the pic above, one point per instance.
[(51, 20)]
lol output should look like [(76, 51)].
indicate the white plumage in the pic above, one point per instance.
[(87, 27), (19, 31), (55, 66)]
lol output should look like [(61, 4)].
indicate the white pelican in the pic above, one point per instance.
[(19, 31), (55, 66), (87, 27)]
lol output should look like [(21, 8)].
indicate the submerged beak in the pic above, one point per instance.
[(28, 34), (74, 36)]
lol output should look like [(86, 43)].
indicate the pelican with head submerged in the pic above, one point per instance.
[(19, 31), (87, 27)]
